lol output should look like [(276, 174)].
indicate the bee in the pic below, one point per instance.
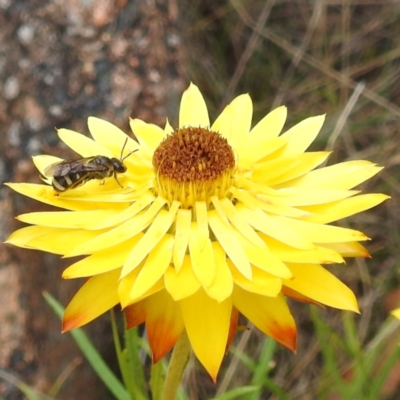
[(71, 174)]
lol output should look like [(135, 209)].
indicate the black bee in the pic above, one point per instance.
[(71, 174)]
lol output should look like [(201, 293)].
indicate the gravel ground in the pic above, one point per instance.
[(61, 62)]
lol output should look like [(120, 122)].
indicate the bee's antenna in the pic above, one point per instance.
[(123, 148), (133, 151), (122, 151)]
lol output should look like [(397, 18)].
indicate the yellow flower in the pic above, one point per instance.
[(206, 223)]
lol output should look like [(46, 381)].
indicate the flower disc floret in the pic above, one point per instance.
[(193, 164)]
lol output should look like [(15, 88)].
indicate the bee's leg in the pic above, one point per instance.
[(103, 182), (115, 177)]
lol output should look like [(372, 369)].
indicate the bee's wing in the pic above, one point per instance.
[(61, 168), (64, 168)]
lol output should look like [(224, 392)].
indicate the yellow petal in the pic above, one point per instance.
[(52, 240), (233, 327), (149, 135), (261, 283), (286, 253), (305, 163), (152, 236), (396, 313), (318, 284), (42, 162), (349, 249), (111, 137), (230, 243), (82, 145), (265, 259), (247, 183), (106, 195), (308, 197), (222, 285), (273, 227), (326, 213), (124, 214), (164, 324), (302, 135), (95, 297), (193, 110), (298, 297), (102, 192), (271, 125), (123, 232), (125, 285), (219, 209), (240, 223), (135, 314), (46, 195), (267, 203), (154, 267), (182, 234), (182, 283), (271, 170), (168, 129), (66, 219), (318, 233), (201, 256), (342, 176), (270, 315), (202, 222), (285, 168), (255, 148), (207, 325), (101, 261), (235, 120)]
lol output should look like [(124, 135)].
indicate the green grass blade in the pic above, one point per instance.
[(134, 345), (262, 367), (124, 364), (329, 344), (30, 393), (237, 393), (259, 370)]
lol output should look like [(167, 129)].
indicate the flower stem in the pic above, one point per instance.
[(177, 364)]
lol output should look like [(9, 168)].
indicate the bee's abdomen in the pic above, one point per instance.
[(70, 181)]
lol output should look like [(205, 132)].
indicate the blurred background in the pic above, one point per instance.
[(61, 62)]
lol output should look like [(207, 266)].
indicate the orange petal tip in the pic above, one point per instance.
[(163, 335), (287, 336), (160, 347), (70, 323)]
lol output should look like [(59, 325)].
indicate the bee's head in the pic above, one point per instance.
[(119, 166)]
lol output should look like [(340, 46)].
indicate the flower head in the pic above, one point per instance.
[(206, 223)]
